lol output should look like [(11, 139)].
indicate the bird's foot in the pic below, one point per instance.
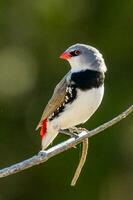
[(77, 130), (73, 132), (69, 133)]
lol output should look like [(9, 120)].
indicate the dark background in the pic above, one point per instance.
[(32, 36)]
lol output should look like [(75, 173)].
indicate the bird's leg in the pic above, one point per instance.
[(70, 133), (73, 131), (77, 130)]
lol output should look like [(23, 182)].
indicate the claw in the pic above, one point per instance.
[(73, 134), (74, 130)]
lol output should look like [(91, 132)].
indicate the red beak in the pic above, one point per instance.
[(65, 55)]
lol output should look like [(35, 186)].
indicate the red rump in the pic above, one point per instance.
[(43, 128)]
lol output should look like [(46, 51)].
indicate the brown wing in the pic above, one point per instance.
[(56, 99)]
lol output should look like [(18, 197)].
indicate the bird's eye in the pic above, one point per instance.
[(75, 53)]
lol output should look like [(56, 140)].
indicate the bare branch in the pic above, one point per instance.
[(55, 150)]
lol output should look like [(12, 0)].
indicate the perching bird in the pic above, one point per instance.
[(77, 96)]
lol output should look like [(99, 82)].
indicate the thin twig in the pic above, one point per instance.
[(55, 150), (81, 162), (73, 132)]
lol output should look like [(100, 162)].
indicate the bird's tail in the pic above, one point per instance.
[(49, 136)]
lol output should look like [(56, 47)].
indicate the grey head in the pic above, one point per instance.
[(82, 57)]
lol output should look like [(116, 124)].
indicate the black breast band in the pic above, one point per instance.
[(87, 79)]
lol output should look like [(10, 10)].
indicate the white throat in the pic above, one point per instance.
[(77, 66), (78, 69)]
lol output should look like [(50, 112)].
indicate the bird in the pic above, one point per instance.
[(77, 96)]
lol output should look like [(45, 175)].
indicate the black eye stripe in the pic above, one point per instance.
[(75, 53)]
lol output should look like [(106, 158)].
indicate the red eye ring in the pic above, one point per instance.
[(77, 52)]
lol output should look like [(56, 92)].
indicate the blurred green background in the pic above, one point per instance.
[(32, 36)]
